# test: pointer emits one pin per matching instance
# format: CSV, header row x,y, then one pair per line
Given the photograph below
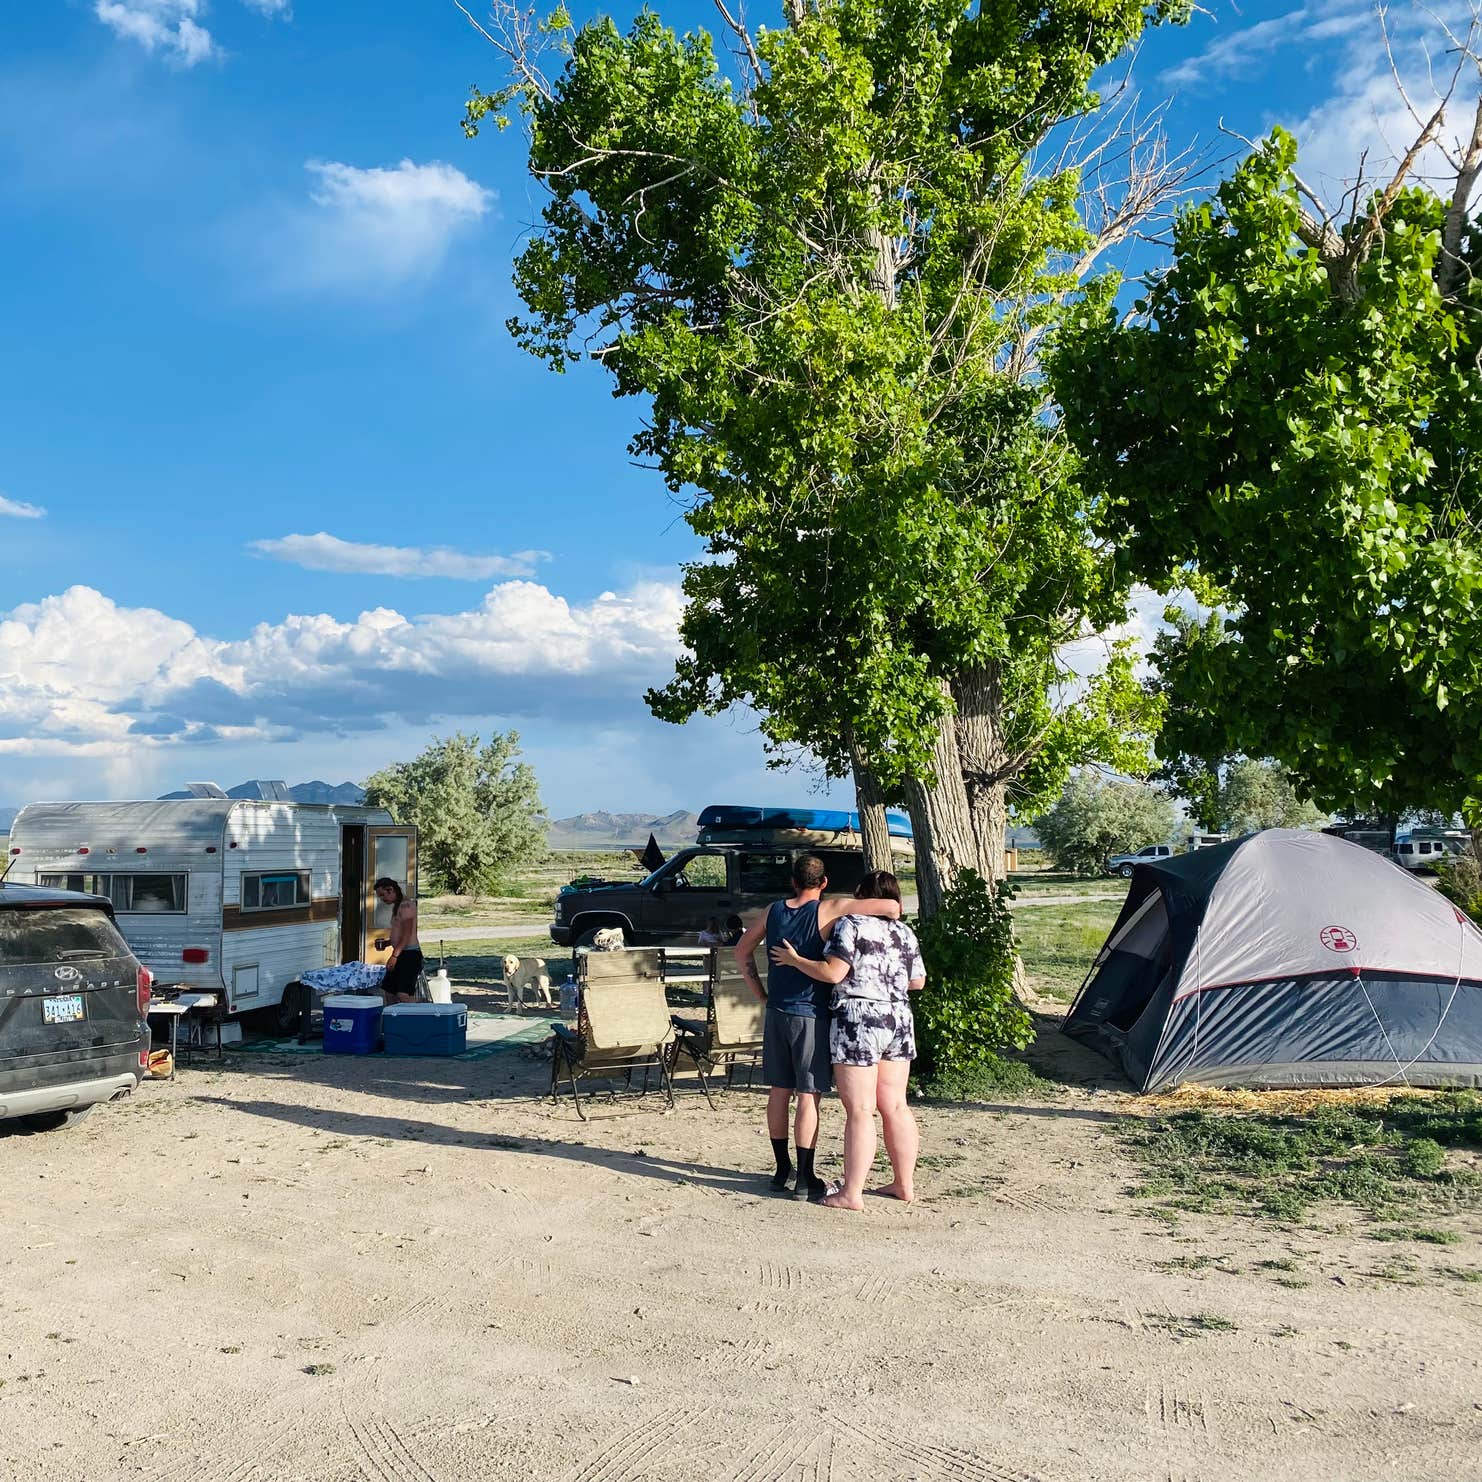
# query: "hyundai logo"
x,y
67,973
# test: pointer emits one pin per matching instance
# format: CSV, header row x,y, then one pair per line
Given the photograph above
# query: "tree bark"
x,y
979,721
872,826
941,819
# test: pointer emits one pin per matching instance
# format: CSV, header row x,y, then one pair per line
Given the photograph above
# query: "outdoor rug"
x,y
488,1034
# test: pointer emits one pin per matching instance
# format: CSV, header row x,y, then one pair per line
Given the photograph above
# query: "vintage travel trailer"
x,y
236,896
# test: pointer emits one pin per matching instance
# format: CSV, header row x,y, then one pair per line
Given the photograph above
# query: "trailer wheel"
x,y
290,1009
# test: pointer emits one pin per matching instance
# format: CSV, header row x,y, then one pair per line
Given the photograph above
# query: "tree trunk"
x,y
941,819
979,697
872,825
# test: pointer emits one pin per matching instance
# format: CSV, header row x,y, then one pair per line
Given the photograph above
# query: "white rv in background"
x,y
236,896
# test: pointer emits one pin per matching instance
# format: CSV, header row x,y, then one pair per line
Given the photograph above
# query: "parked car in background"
x,y
73,1007
1124,864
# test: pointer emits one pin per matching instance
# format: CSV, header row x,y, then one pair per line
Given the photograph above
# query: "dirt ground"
x,y
419,1271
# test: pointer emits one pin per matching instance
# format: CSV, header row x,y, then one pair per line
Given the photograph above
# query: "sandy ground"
x,y
487,1287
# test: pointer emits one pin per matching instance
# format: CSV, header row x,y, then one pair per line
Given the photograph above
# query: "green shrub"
x,y
967,1012
1461,884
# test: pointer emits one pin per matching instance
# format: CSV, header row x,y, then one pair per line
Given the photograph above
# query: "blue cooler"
x,y
352,1023
425,1028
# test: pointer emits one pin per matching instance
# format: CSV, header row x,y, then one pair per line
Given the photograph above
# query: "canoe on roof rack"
x,y
728,823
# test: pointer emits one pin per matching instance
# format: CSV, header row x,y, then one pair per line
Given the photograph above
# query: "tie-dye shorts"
x,y
865,1031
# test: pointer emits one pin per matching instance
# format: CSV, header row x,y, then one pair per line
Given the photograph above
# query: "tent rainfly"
x,y
1285,958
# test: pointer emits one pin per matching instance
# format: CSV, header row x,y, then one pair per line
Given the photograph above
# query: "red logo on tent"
x,y
1338,939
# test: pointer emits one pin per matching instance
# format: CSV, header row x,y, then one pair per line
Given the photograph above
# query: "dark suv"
x,y
73,1007
698,886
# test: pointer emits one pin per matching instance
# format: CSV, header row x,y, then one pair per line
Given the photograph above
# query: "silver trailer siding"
x,y
175,871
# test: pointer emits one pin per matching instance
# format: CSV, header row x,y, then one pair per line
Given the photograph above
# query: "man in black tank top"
x,y
795,1052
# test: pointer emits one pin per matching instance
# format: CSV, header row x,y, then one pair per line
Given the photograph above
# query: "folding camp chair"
x,y
730,1031
622,1024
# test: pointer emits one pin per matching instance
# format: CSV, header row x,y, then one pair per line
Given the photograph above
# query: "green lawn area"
x,y
1058,944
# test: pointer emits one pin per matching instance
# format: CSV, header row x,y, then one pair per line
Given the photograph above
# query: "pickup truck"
x,y
686,893
1124,864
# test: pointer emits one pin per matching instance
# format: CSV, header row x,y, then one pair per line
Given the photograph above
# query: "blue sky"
x,y
263,424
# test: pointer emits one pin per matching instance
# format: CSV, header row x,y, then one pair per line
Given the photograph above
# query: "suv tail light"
x,y
144,981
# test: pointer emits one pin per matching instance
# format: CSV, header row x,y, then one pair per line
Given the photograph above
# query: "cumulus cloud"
x,y
81,675
168,27
1353,118
324,552
366,231
19,509
270,7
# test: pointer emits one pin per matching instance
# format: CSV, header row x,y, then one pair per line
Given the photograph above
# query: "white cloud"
x,y
270,7
372,230
19,509
165,26
82,675
324,552
1352,117
1240,53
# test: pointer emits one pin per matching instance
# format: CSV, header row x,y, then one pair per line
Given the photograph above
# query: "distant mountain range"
x,y
603,830
300,792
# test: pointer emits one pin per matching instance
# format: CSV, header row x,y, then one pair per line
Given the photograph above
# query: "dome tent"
x,y
1285,958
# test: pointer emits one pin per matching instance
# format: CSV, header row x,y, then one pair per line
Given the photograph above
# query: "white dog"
x,y
521,973
609,939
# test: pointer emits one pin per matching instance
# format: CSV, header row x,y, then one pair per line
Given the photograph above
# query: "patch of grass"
x,y
1004,1076
1282,1263
1387,1160
1059,943
318,1370
1192,1326
1294,1282
1459,1273
1186,1263
1410,1232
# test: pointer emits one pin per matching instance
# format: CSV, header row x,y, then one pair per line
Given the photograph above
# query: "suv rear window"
x,y
66,934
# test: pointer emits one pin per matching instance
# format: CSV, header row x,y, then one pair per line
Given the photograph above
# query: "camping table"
x,y
178,1008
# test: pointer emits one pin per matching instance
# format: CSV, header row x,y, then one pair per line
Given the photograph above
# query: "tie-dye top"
x,y
883,957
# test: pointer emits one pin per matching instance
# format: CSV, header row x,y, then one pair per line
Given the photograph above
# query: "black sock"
x,y
784,1163
807,1179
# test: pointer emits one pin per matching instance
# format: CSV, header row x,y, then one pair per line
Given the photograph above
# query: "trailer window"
x,y
132,894
274,890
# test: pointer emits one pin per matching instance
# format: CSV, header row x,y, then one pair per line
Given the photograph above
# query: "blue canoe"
x,y
734,818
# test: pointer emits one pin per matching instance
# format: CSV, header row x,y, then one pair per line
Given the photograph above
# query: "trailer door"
x,y
388,852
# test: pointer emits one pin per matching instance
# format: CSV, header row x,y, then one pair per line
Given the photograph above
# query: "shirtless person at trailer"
x,y
404,966
795,1049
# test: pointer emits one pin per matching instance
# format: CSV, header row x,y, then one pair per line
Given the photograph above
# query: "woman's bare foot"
x,y
893,1190
838,1199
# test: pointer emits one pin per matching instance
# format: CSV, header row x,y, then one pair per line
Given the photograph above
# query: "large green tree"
x,y
1096,816
1293,418
476,807
828,279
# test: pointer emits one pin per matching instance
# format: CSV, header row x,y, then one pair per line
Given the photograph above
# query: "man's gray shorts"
x,y
795,1053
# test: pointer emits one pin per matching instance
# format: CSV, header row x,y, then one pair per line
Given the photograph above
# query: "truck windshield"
x,y
64,935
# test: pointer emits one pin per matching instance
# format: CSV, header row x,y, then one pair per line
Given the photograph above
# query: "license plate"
x,y
66,1008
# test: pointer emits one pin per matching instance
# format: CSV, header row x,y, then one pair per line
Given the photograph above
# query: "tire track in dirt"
x,y
773,1276
253,1456
942,1463
781,1454
621,1457
381,1453
1174,1410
